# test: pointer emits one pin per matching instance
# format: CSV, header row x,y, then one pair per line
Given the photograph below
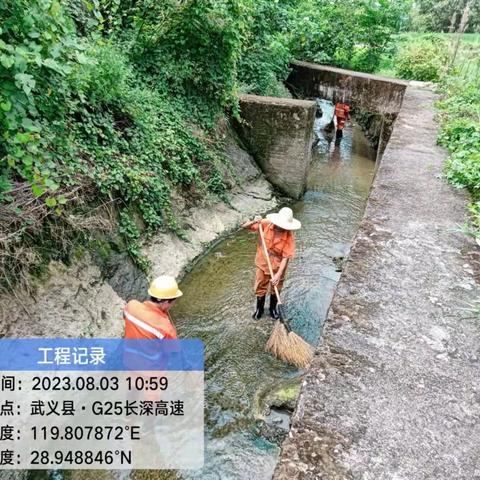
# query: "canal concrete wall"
x,y
279,132
392,392
371,96
372,93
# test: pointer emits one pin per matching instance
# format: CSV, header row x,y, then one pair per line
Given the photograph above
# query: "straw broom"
x,y
283,343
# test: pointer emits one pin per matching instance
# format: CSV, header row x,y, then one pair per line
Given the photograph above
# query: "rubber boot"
x,y
260,308
273,307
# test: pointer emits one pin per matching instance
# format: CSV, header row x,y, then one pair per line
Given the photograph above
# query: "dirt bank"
x,y
78,301
393,390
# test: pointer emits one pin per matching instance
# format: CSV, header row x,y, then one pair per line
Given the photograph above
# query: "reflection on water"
x,y
218,303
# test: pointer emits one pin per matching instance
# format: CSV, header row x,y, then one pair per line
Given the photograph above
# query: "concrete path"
x,y
394,391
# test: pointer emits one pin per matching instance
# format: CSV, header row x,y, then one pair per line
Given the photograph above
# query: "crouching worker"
x,y
280,242
150,319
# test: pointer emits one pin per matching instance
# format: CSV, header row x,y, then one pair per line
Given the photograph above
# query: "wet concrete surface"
x,y
393,391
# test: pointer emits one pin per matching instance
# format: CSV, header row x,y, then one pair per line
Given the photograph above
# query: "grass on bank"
x,y
435,57
428,56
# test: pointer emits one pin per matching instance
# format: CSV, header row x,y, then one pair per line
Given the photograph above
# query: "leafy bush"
x,y
266,55
425,60
113,104
460,134
74,113
38,51
350,34
463,170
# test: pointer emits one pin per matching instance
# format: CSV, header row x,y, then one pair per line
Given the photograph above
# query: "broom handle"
x,y
267,258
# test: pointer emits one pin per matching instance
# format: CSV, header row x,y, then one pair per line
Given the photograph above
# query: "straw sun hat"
x,y
284,219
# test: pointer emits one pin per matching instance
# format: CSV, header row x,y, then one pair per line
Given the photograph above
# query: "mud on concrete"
x,y
393,390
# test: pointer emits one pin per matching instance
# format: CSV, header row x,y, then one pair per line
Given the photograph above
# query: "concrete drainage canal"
x,y
250,395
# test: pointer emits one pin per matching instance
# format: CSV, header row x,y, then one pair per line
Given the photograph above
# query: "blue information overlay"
x,y
100,354
101,404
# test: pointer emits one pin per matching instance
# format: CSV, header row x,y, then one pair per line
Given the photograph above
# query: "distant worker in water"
x,y
342,112
150,319
280,242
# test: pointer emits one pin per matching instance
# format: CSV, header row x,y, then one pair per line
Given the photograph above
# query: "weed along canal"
x,y
241,378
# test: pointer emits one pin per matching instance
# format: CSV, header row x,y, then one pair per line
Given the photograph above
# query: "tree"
x,y
446,15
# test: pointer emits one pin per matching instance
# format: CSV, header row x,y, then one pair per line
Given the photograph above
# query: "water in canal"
x,y
218,303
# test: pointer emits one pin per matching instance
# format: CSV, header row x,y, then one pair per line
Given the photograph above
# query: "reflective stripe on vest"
x,y
142,324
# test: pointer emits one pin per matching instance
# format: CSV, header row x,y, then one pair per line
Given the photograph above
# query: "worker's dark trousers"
x,y
262,283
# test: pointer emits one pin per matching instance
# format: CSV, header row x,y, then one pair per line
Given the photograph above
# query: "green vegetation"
x,y
460,134
443,15
82,129
426,59
453,62
109,107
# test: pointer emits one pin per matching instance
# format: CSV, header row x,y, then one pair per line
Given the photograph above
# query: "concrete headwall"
x,y
278,132
369,92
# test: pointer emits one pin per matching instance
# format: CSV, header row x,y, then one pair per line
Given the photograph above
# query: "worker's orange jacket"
x,y
280,245
342,110
147,321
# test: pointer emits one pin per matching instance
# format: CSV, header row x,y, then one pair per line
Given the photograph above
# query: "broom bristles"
x,y
278,341
289,347
300,352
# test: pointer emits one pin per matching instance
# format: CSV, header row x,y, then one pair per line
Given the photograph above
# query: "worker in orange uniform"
x,y
342,112
150,319
280,241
